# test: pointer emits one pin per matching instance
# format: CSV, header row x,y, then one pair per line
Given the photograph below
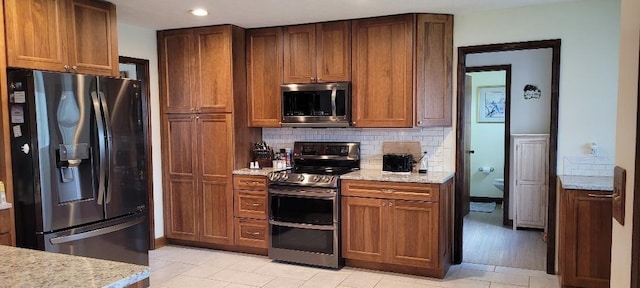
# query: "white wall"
x,y
626,137
140,43
528,116
589,31
487,140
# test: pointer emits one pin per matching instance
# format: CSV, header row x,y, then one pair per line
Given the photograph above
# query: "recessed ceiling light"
x,y
199,12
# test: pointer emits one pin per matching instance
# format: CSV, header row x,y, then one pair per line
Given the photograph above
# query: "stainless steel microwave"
x,y
316,105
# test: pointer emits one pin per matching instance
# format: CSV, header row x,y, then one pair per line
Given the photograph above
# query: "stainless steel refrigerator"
x,y
79,168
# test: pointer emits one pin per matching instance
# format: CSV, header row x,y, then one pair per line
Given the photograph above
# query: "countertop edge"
x,y
124,282
429,178
590,183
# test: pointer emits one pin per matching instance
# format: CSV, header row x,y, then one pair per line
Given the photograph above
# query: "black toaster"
x,y
397,162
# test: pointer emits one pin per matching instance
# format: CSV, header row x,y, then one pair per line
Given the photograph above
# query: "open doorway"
x,y
463,149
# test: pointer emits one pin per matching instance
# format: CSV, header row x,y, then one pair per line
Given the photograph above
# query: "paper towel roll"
x,y
486,169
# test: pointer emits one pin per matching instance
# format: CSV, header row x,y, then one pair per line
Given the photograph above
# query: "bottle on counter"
x,y
287,154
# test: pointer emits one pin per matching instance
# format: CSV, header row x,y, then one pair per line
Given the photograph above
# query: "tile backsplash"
x,y
588,165
438,142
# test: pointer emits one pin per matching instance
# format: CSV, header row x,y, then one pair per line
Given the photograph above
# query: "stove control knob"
x,y
284,177
300,178
315,178
325,179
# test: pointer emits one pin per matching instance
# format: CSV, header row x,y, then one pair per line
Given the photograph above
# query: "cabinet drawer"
x,y
5,239
249,182
251,233
391,190
5,221
251,204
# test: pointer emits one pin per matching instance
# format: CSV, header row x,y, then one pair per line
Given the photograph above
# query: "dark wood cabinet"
x,y
197,68
382,71
585,238
62,35
264,76
317,52
434,53
399,225
250,210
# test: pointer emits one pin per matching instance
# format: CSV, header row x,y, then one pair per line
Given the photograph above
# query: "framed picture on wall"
x,y
491,104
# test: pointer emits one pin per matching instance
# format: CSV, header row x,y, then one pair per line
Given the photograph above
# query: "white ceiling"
x,y
166,14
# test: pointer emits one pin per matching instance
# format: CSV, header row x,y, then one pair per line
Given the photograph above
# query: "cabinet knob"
x,y
384,203
74,67
390,204
192,109
197,117
66,67
420,122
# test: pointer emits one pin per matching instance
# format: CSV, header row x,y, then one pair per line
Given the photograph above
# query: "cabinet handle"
x,y
420,122
252,233
318,79
74,67
600,195
197,117
387,190
252,183
252,204
311,79
384,203
192,109
66,67
390,204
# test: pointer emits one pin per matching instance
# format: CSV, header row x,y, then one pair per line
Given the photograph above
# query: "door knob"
x,y
471,151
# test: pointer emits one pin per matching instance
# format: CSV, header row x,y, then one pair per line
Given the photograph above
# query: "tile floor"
x,y
177,266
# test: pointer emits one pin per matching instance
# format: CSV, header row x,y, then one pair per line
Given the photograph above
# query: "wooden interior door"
x,y
363,229
212,79
466,142
531,173
264,76
382,71
333,43
174,56
412,230
36,34
181,196
93,40
214,134
300,53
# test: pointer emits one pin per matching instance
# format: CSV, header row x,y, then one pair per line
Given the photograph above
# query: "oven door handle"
x,y
306,194
302,226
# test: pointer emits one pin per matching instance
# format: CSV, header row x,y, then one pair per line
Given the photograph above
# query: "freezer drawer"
x,y
124,239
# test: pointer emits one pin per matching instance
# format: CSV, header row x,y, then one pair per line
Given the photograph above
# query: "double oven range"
x,y
304,203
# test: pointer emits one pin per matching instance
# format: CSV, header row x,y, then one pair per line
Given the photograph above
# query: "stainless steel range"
x,y
304,203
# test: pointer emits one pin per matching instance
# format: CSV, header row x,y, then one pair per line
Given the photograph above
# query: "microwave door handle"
x,y
333,102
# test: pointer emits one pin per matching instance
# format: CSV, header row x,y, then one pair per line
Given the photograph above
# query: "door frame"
x,y
142,65
554,44
635,238
507,131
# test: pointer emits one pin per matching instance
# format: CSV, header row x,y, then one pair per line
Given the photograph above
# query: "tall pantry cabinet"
x,y
204,129
530,170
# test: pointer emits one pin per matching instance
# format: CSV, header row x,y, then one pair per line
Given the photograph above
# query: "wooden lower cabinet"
x,y
250,211
585,238
5,227
409,236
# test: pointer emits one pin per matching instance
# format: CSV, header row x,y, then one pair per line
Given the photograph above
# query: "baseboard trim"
x,y
486,199
160,242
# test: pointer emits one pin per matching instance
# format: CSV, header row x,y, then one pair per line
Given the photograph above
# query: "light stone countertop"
x,y
5,206
378,175
33,268
603,183
256,172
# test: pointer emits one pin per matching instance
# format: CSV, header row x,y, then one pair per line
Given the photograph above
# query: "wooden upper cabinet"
x,y
317,52
196,68
174,53
434,52
62,35
264,76
382,87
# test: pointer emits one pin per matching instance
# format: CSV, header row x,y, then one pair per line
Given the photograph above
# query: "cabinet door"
x,y
531,173
434,52
212,80
363,227
412,231
181,196
333,42
531,206
250,204
300,53
36,31
587,239
252,233
174,53
92,35
214,134
264,76
382,71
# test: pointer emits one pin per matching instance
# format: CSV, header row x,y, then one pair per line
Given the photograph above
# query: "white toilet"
x,y
499,183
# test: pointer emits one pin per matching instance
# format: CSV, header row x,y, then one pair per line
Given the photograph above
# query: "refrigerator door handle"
x,y
107,122
101,147
97,232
